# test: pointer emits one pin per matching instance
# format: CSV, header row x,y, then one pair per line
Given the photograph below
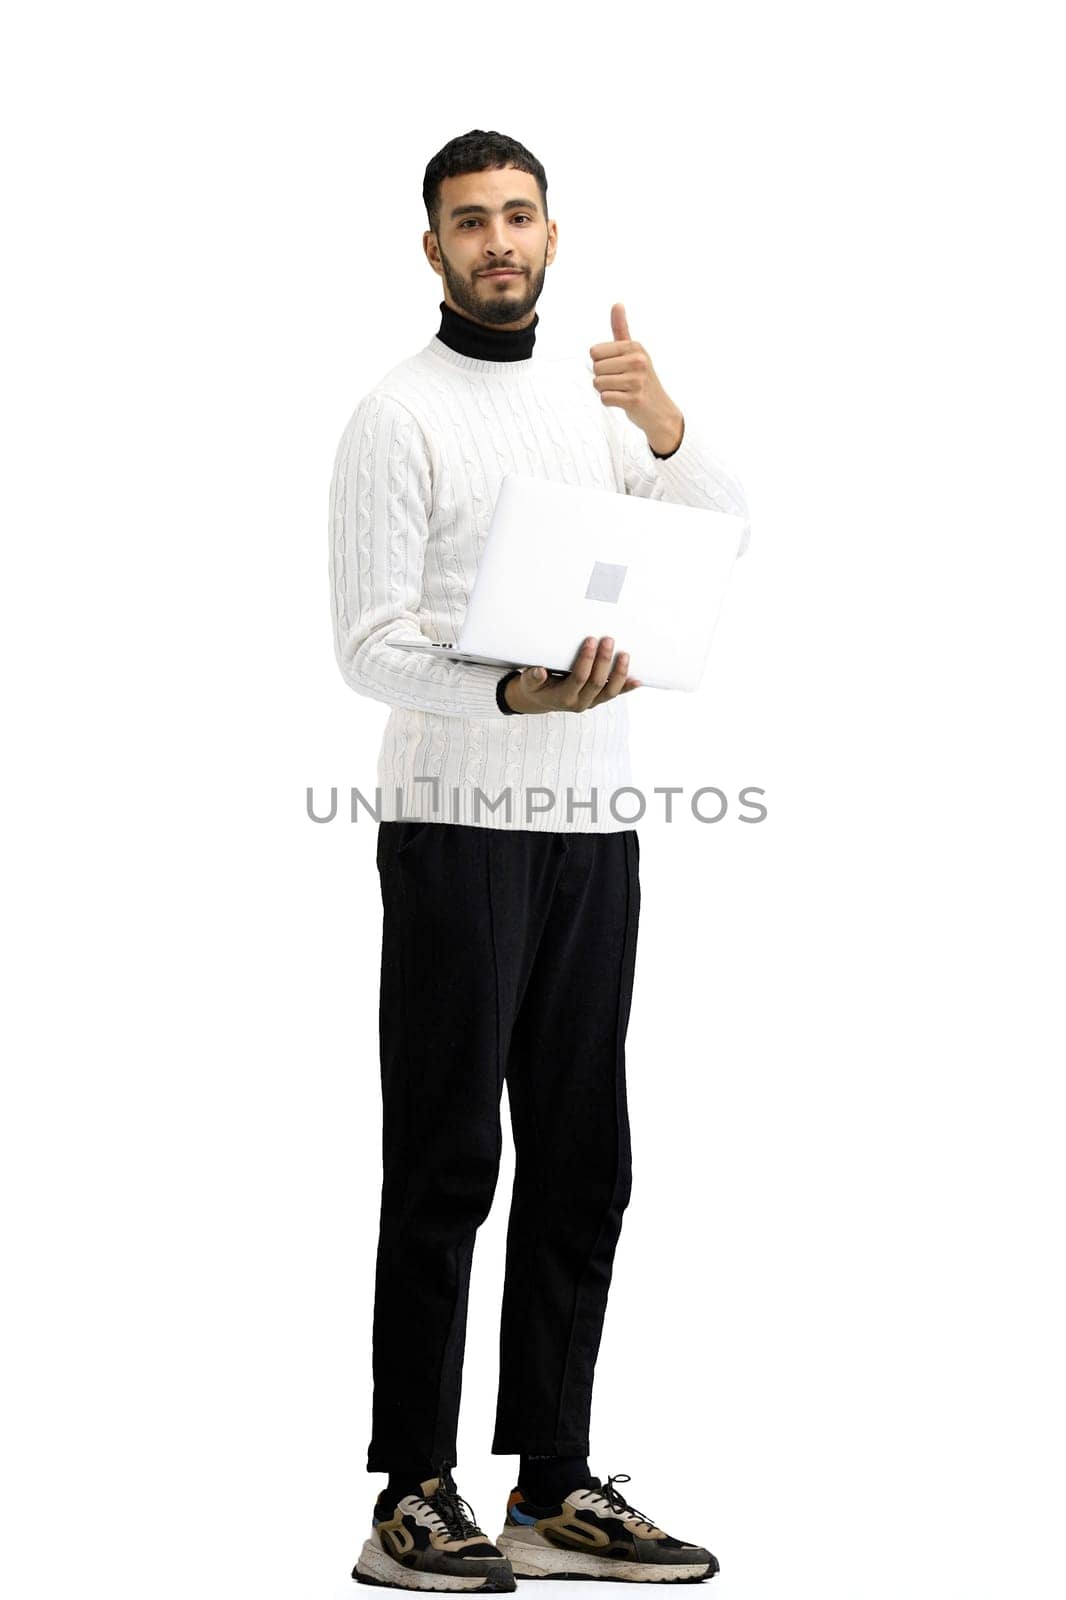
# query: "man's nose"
x,y
496,244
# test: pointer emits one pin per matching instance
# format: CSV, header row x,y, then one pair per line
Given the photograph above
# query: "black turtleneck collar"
x,y
469,338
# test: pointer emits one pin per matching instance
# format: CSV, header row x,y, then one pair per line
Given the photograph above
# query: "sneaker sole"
x,y
376,1566
536,1558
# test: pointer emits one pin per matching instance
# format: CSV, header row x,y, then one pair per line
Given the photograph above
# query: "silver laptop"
x,y
561,562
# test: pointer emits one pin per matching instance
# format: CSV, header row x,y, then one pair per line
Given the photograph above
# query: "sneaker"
x,y
595,1533
429,1540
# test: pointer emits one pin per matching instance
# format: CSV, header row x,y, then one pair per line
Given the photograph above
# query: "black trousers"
x,y
507,955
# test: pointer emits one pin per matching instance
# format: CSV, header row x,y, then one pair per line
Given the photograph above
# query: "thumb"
x,y
619,325
534,677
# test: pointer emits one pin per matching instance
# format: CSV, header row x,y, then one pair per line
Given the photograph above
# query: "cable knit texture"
x,y
414,483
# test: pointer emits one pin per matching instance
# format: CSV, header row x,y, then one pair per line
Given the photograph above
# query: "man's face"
x,y
490,221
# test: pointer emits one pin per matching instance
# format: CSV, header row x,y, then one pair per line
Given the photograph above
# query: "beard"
x,y
477,298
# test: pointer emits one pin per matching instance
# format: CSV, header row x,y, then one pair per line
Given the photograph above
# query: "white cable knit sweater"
x,y
414,483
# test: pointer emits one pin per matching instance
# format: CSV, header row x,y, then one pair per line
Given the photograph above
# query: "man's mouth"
x,y
504,272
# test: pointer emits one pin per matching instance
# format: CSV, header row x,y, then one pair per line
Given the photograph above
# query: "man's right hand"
x,y
590,681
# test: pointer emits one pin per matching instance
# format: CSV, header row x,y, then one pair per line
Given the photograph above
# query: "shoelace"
x,y
455,1512
618,1502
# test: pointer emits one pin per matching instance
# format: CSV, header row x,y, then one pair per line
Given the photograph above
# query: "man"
x,y
510,896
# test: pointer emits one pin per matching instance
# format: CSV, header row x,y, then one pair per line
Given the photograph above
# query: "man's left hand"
x,y
624,376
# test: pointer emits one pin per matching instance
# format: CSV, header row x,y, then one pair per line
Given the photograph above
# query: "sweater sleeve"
x,y
379,508
690,476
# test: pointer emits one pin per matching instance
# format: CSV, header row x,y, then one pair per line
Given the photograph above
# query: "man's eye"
x,y
520,216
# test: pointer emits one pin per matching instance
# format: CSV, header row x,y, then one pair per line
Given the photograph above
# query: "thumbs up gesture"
x,y
623,374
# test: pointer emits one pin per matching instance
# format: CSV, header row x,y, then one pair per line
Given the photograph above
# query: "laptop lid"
x,y
561,562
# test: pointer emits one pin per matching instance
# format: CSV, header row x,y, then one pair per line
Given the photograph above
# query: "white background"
x,y
833,1349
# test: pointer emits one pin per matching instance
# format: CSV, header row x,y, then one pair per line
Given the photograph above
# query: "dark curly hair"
x,y
477,151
